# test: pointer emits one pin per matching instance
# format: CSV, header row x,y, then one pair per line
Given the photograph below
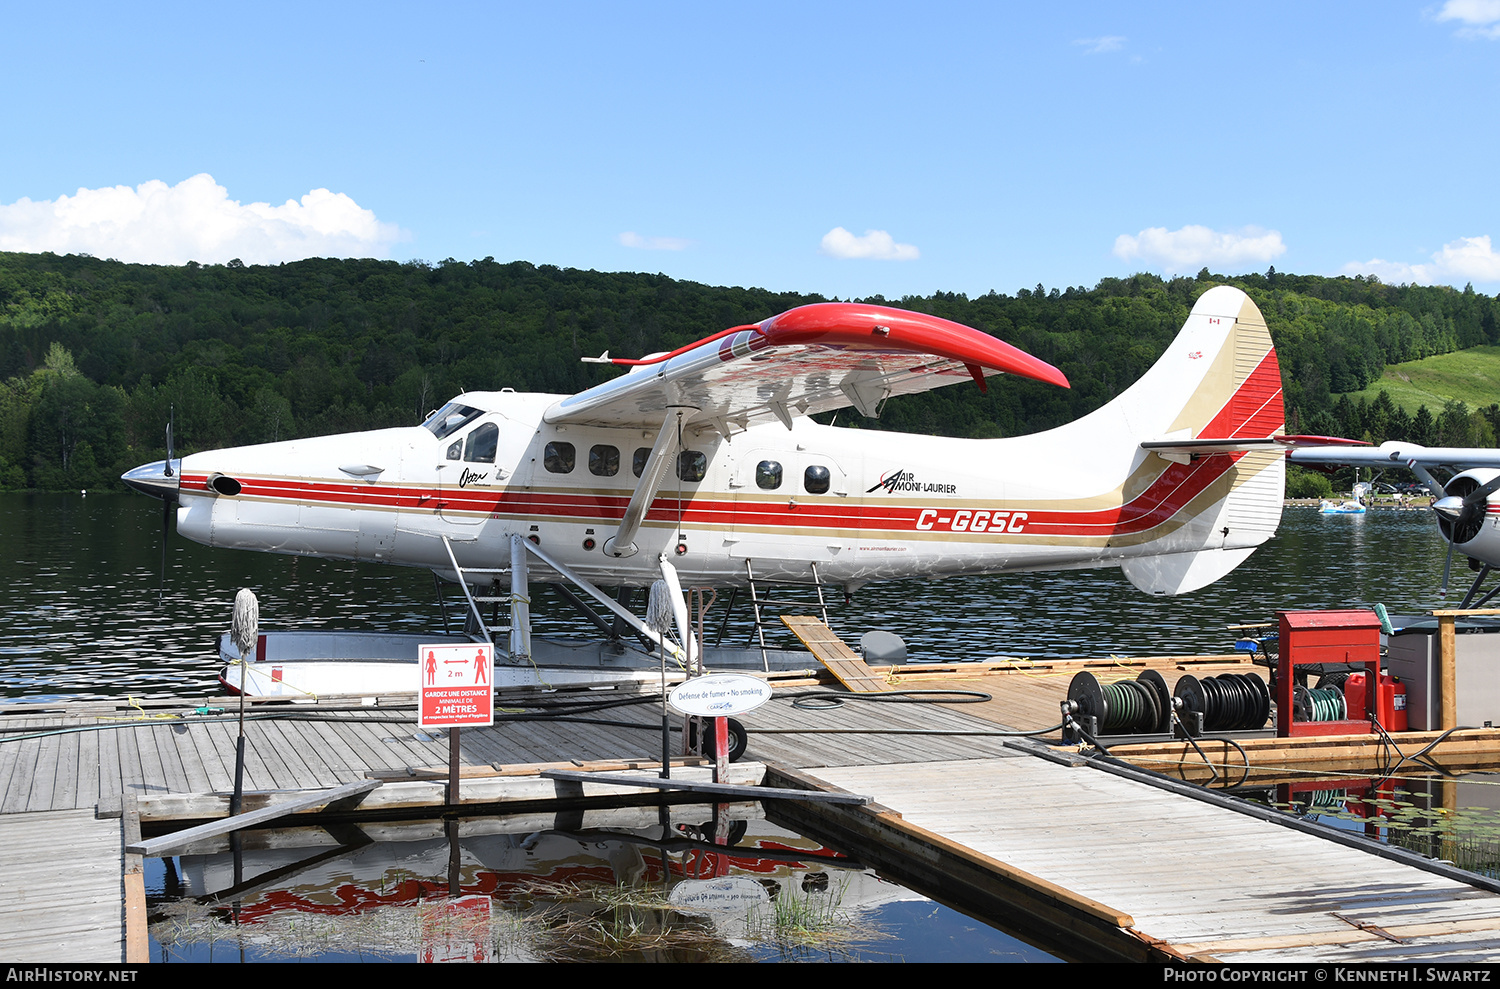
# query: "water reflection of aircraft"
x,y
1467,518
397,890
705,465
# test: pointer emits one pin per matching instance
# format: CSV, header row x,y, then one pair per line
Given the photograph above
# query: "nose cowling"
x,y
159,479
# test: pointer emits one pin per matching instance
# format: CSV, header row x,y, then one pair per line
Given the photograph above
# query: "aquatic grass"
x,y
810,919
615,896
618,922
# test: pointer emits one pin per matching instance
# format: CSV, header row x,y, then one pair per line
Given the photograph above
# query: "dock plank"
x,y
61,908
164,740
18,792
339,761
834,653
87,792
44,779
214,743
355,741
1126,864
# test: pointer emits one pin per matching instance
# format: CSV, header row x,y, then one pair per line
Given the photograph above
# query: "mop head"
x,y
245,628
659,608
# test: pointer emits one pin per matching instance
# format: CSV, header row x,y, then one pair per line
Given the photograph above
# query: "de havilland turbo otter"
x,y
1468,518
705,462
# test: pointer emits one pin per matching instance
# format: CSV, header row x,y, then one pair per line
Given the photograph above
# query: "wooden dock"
x,y
1141,874
1088,863
62,907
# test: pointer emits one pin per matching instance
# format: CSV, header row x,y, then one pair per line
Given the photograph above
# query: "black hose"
x,y
827,700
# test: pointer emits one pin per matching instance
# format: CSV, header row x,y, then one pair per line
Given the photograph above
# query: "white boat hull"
x,y
305,665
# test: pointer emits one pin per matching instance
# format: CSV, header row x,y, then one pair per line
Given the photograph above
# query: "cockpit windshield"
x,y
450,418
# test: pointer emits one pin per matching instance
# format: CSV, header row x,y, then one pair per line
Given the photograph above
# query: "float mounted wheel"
x,y
739,739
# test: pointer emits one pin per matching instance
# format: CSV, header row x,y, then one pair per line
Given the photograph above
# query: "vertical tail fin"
x,y
1218,380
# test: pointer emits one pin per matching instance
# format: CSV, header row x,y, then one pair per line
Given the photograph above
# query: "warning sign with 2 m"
x,y
457,686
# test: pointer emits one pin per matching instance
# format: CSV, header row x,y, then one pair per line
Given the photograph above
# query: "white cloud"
x,y
1193,247
194,220
1390,272
1098,46
1481,18
1467,259
632,239
875,244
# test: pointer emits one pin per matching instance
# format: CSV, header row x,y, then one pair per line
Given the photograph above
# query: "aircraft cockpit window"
x,y
692,466
559,458
604,461
768,475
456,451
482,444
451,418
638,462
816,479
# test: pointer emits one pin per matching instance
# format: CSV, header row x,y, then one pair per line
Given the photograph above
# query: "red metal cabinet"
x,y
1325,637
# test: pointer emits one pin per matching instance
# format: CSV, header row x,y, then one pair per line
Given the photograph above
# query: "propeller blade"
x,y
166,515
1481,495
1447,569
171,416
166,506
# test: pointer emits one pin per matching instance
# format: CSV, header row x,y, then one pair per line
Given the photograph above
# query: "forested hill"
x,y
93,352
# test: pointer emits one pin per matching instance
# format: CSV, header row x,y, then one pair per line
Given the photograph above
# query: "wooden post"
x,y
1447,679
1447,667
453,771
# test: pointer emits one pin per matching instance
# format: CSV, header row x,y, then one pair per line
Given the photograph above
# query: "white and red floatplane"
x,y
704,467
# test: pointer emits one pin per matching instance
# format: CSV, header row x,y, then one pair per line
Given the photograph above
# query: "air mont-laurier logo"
x,y
905,480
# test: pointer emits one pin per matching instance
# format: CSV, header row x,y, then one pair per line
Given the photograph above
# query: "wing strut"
x,y
622,543
569,574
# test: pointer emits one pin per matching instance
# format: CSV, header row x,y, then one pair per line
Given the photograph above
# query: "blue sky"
x,y
845,149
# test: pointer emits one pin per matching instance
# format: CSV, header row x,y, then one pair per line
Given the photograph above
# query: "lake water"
x,y
85,614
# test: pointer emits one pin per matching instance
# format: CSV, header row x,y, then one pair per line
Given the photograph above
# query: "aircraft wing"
x,y
811,359
1394,453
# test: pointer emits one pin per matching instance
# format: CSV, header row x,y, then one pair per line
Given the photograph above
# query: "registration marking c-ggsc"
x,y
967,521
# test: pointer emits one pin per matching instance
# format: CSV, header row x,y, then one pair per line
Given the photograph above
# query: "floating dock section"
x,y
1091,861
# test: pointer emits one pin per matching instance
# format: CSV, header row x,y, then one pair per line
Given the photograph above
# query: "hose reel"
x,y
1227,702
1144,706
1129,707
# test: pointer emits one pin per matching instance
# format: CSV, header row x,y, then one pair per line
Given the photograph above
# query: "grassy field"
x,y
1471,376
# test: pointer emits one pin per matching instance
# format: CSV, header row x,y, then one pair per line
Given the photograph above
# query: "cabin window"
x,y
815,479
692,466
604,460
450,419
638,462
456,451
768,475
482,443
559,458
